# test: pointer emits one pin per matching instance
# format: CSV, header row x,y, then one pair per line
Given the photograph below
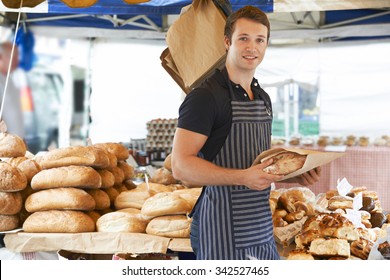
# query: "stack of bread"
x,y
332,235
152,208
70,190
16,171
163,175
290,208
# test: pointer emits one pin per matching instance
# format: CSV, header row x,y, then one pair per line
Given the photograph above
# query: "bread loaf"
x,y
163,176
166,203
11,178
102,200
29,167
127,169
174,226
67,176
132,199
118,149
10,203
8,222
60,199
330,247
285,163
108,179
11,145
59,221
74,155
120,222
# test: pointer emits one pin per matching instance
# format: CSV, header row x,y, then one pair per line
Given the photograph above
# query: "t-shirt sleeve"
x,y
197,112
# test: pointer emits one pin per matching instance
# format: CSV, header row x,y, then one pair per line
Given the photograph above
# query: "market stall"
x,y
143,242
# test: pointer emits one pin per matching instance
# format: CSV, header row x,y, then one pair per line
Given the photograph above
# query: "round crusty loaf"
x,y
11,178
8,222
60,199
102,200
285,163
11,145
74,155
166,203
59,221
175,226
29,167
120,222
67,176
118,149
10,203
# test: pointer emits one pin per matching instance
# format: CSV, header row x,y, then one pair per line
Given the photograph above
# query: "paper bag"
x,y
196,44
313,159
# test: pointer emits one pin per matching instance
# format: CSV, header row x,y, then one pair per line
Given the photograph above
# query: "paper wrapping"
x,y
196,43
94,242
313,159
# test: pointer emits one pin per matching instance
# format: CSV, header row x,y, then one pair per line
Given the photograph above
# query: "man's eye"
x,y
243,38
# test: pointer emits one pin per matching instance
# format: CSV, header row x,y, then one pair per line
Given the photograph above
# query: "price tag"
x,y
358,201
355,217
344,187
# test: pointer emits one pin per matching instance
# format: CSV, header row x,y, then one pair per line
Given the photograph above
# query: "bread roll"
x,y
108,179
118,149
15,4
340,202
120,222
330,247
136,212
127,169
285,163
8,222
156,187
166,203
29,167
174,226
95,215
119,176
163,176
10,203
67,176
59,221
168,162
112,194
191,195
102,200
60,199
132,199
11,145
11,178
74,155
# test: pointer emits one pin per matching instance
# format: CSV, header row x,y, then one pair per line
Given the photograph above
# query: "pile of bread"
x,y
325,231
86,189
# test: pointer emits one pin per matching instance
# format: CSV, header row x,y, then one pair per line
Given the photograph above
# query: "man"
x,y
223,125
12,111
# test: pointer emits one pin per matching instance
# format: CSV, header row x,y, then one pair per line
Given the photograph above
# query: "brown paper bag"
x,y
196,42
313,159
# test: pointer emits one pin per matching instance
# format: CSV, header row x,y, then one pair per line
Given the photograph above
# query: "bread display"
x,y
67,176
60,199
285,163
59,221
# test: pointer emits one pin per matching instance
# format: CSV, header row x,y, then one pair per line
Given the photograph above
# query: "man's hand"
x,y
255,178
306,179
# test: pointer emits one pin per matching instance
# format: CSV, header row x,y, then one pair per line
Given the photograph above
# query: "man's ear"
x,y
227,43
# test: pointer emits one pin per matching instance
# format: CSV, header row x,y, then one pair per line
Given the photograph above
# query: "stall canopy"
x,y
317,19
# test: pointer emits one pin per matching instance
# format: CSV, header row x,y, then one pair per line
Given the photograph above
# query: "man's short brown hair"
x,y
248,12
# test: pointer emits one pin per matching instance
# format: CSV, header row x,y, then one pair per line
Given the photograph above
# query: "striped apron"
x,y
235,222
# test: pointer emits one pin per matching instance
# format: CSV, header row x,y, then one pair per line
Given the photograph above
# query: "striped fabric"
x,y
235,222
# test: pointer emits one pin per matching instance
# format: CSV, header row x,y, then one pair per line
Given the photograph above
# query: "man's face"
x,y
248,44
